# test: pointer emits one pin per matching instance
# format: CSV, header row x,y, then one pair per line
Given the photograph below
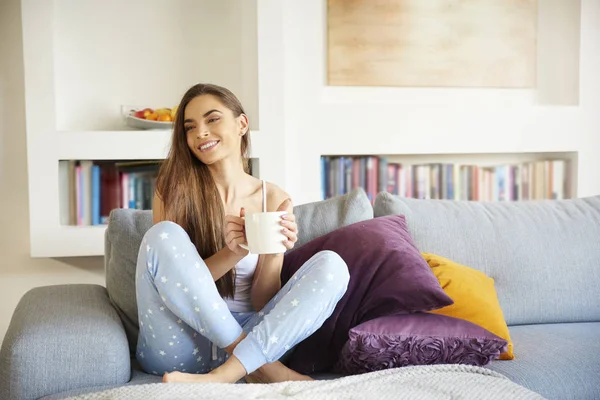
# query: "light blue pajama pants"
x,y
185,324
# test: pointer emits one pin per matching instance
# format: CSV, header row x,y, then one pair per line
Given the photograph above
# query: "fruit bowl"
x,y
140,123
148,118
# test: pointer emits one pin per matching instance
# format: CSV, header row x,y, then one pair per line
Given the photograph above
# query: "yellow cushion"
x,y
474,295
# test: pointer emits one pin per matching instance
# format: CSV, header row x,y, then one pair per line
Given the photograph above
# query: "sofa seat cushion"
x,y
138,377
558,361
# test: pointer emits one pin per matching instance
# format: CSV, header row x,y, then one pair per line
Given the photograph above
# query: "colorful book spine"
x,y
93,189
534,180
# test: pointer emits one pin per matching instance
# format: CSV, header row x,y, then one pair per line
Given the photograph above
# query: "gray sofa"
x,y
544,256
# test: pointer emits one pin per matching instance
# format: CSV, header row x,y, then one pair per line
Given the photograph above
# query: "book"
x,y
90,190
532,180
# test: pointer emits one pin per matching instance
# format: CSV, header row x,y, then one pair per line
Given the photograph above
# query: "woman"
x,y
209,311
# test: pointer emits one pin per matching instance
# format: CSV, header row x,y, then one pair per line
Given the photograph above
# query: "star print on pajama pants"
x,y
184,324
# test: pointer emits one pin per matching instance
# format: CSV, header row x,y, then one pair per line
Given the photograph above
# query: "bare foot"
x,y
268,373
171,377
275,372
255,377
229,372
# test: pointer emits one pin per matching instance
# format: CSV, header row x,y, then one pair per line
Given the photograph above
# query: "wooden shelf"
x,y
71,241
481,159
117,145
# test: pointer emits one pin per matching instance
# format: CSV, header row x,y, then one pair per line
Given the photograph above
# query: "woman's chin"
x,y
216,156
210,159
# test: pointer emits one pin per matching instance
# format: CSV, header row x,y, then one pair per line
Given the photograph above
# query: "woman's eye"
x,y
213,120
188,128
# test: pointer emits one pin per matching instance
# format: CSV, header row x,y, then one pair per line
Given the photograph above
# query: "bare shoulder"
x,y
158,208
276,196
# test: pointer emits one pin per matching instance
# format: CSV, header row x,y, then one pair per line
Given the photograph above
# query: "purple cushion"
x,y
417,339
388,276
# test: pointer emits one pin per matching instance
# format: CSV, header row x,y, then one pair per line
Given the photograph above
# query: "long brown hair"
x,y
187,189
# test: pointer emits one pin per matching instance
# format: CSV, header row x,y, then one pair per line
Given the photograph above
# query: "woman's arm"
x,y
158,209
219,263
267,280
267,277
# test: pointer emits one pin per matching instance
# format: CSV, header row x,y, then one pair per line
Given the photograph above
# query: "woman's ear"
x,y
244,124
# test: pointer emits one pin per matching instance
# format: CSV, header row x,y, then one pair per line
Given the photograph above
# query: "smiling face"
x,y
213,131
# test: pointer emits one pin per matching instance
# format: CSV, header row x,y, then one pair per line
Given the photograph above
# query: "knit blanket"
x,y
419,382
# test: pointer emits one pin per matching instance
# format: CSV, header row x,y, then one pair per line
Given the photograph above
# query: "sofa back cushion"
x,y
126,229
543,255
321,217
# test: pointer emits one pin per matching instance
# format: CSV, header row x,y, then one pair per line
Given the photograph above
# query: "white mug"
x,y
263,232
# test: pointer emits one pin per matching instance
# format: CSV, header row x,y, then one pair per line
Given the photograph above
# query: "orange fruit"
x,y
165,118
162,111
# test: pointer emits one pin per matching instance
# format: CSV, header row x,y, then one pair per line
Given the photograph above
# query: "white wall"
x,y
18,272
142,54
342,120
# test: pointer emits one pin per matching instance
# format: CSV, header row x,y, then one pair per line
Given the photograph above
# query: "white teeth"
x,y
207,145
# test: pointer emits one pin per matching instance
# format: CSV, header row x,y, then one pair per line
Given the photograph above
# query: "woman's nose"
x,y
202,131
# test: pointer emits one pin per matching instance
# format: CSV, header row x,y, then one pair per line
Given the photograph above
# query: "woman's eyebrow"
x,y
206,114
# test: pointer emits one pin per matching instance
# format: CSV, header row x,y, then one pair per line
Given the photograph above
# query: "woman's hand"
x,y
288,221
235,233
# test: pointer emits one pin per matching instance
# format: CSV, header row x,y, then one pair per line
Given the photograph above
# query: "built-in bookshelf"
x,y
77,87
91,189
532,177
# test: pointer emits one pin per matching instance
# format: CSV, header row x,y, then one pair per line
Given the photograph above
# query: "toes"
x,y
170,377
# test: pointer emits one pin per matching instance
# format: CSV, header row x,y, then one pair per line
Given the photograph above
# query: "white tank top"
x,y
244,274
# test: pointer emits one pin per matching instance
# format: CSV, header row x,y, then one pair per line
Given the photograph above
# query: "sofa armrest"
x,y
61,338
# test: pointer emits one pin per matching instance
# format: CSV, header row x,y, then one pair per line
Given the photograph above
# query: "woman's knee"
x,y
332,267
164,232
163,241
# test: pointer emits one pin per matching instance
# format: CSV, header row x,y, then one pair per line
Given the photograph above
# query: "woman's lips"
x,y
208,146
